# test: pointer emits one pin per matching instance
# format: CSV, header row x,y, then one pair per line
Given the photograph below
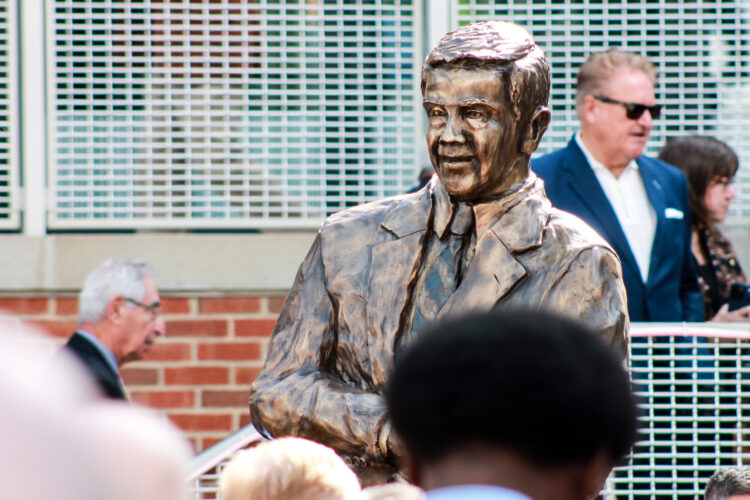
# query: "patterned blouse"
x,y
721,270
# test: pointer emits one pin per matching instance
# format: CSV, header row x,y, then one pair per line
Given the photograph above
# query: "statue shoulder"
x,y
357,227
574,233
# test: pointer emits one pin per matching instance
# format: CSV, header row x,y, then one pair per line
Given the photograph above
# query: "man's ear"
x,y
589,102
114,307
537,126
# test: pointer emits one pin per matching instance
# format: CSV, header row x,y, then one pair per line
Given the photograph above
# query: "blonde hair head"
x,y
290,469
600,66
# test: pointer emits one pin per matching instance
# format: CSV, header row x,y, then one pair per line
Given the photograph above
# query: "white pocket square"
x,y
673,213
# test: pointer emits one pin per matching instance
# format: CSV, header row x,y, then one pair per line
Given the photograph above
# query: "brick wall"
x,y
200,372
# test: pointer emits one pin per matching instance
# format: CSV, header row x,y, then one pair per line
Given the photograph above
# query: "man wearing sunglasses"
x,y
638,204
119,317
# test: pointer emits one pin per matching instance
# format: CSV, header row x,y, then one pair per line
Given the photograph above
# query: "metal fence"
x,y
227,114
701,49
693,387
205,469
274,113
9,114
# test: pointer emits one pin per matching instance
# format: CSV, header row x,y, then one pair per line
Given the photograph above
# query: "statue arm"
x,y
591,289
300,392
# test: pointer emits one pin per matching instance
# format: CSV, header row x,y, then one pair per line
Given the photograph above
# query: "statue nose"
x,y
453,130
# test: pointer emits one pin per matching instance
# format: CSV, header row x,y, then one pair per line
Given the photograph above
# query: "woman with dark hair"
x,y
710,166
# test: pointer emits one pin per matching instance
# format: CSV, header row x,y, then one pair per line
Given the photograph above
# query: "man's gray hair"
x,y
727,482
111,278
601,65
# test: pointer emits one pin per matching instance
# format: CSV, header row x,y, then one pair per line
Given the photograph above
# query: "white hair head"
x,y
111,278
288,468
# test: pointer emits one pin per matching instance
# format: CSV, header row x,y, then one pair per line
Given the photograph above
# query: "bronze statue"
x,y
481,234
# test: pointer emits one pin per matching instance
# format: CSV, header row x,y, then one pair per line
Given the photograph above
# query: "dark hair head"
x,y
503,46
727,482
702,160
529,382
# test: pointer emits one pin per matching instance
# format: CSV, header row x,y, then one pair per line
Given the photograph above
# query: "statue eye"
x,y
476,114
437,113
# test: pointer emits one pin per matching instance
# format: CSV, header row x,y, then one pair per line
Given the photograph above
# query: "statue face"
x,y
472,135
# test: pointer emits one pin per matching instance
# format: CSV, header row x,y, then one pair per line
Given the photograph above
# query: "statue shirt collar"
x,y
458,217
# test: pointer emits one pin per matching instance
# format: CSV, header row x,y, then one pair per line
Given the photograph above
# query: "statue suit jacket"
x,y
106,378
334,342
671,292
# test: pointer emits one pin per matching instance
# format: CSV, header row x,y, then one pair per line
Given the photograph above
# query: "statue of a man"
x,y
480,235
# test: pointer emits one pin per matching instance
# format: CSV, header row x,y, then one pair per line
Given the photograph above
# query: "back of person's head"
x,y
288,469
600,66
111,278
60,442
535,385
728,482
702,159
43,455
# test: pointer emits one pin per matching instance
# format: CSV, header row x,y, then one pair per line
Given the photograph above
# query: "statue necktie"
x,y
445,265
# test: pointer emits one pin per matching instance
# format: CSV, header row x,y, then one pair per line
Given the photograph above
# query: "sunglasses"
x,y
633,110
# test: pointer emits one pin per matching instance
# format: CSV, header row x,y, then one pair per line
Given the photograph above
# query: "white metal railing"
x,y
692,381
205,469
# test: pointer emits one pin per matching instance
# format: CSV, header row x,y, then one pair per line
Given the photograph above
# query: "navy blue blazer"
x,y
671,292
96,364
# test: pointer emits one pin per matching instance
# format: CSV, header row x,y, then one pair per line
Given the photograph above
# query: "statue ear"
x,y
537,126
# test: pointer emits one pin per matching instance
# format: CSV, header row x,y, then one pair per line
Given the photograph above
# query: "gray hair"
x,y
727,482
111,278
601,65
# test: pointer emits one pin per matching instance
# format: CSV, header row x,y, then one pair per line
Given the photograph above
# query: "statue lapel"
x,y
494,270
492,273
391,264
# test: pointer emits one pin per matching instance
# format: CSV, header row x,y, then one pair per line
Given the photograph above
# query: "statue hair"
x,y
505,47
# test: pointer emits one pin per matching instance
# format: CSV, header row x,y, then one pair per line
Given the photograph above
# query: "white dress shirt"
x,y
628,197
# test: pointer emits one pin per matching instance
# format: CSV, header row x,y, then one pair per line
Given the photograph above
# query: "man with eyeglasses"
x,y
638,204
119,317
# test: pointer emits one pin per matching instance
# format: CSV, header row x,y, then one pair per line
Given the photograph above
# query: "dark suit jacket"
x,y
96,364
334,342
671,292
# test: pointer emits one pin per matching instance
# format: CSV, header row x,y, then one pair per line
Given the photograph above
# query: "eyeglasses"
x,y
154,309
633,110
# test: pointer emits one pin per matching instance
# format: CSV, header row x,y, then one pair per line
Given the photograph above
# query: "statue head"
x,y
486,88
